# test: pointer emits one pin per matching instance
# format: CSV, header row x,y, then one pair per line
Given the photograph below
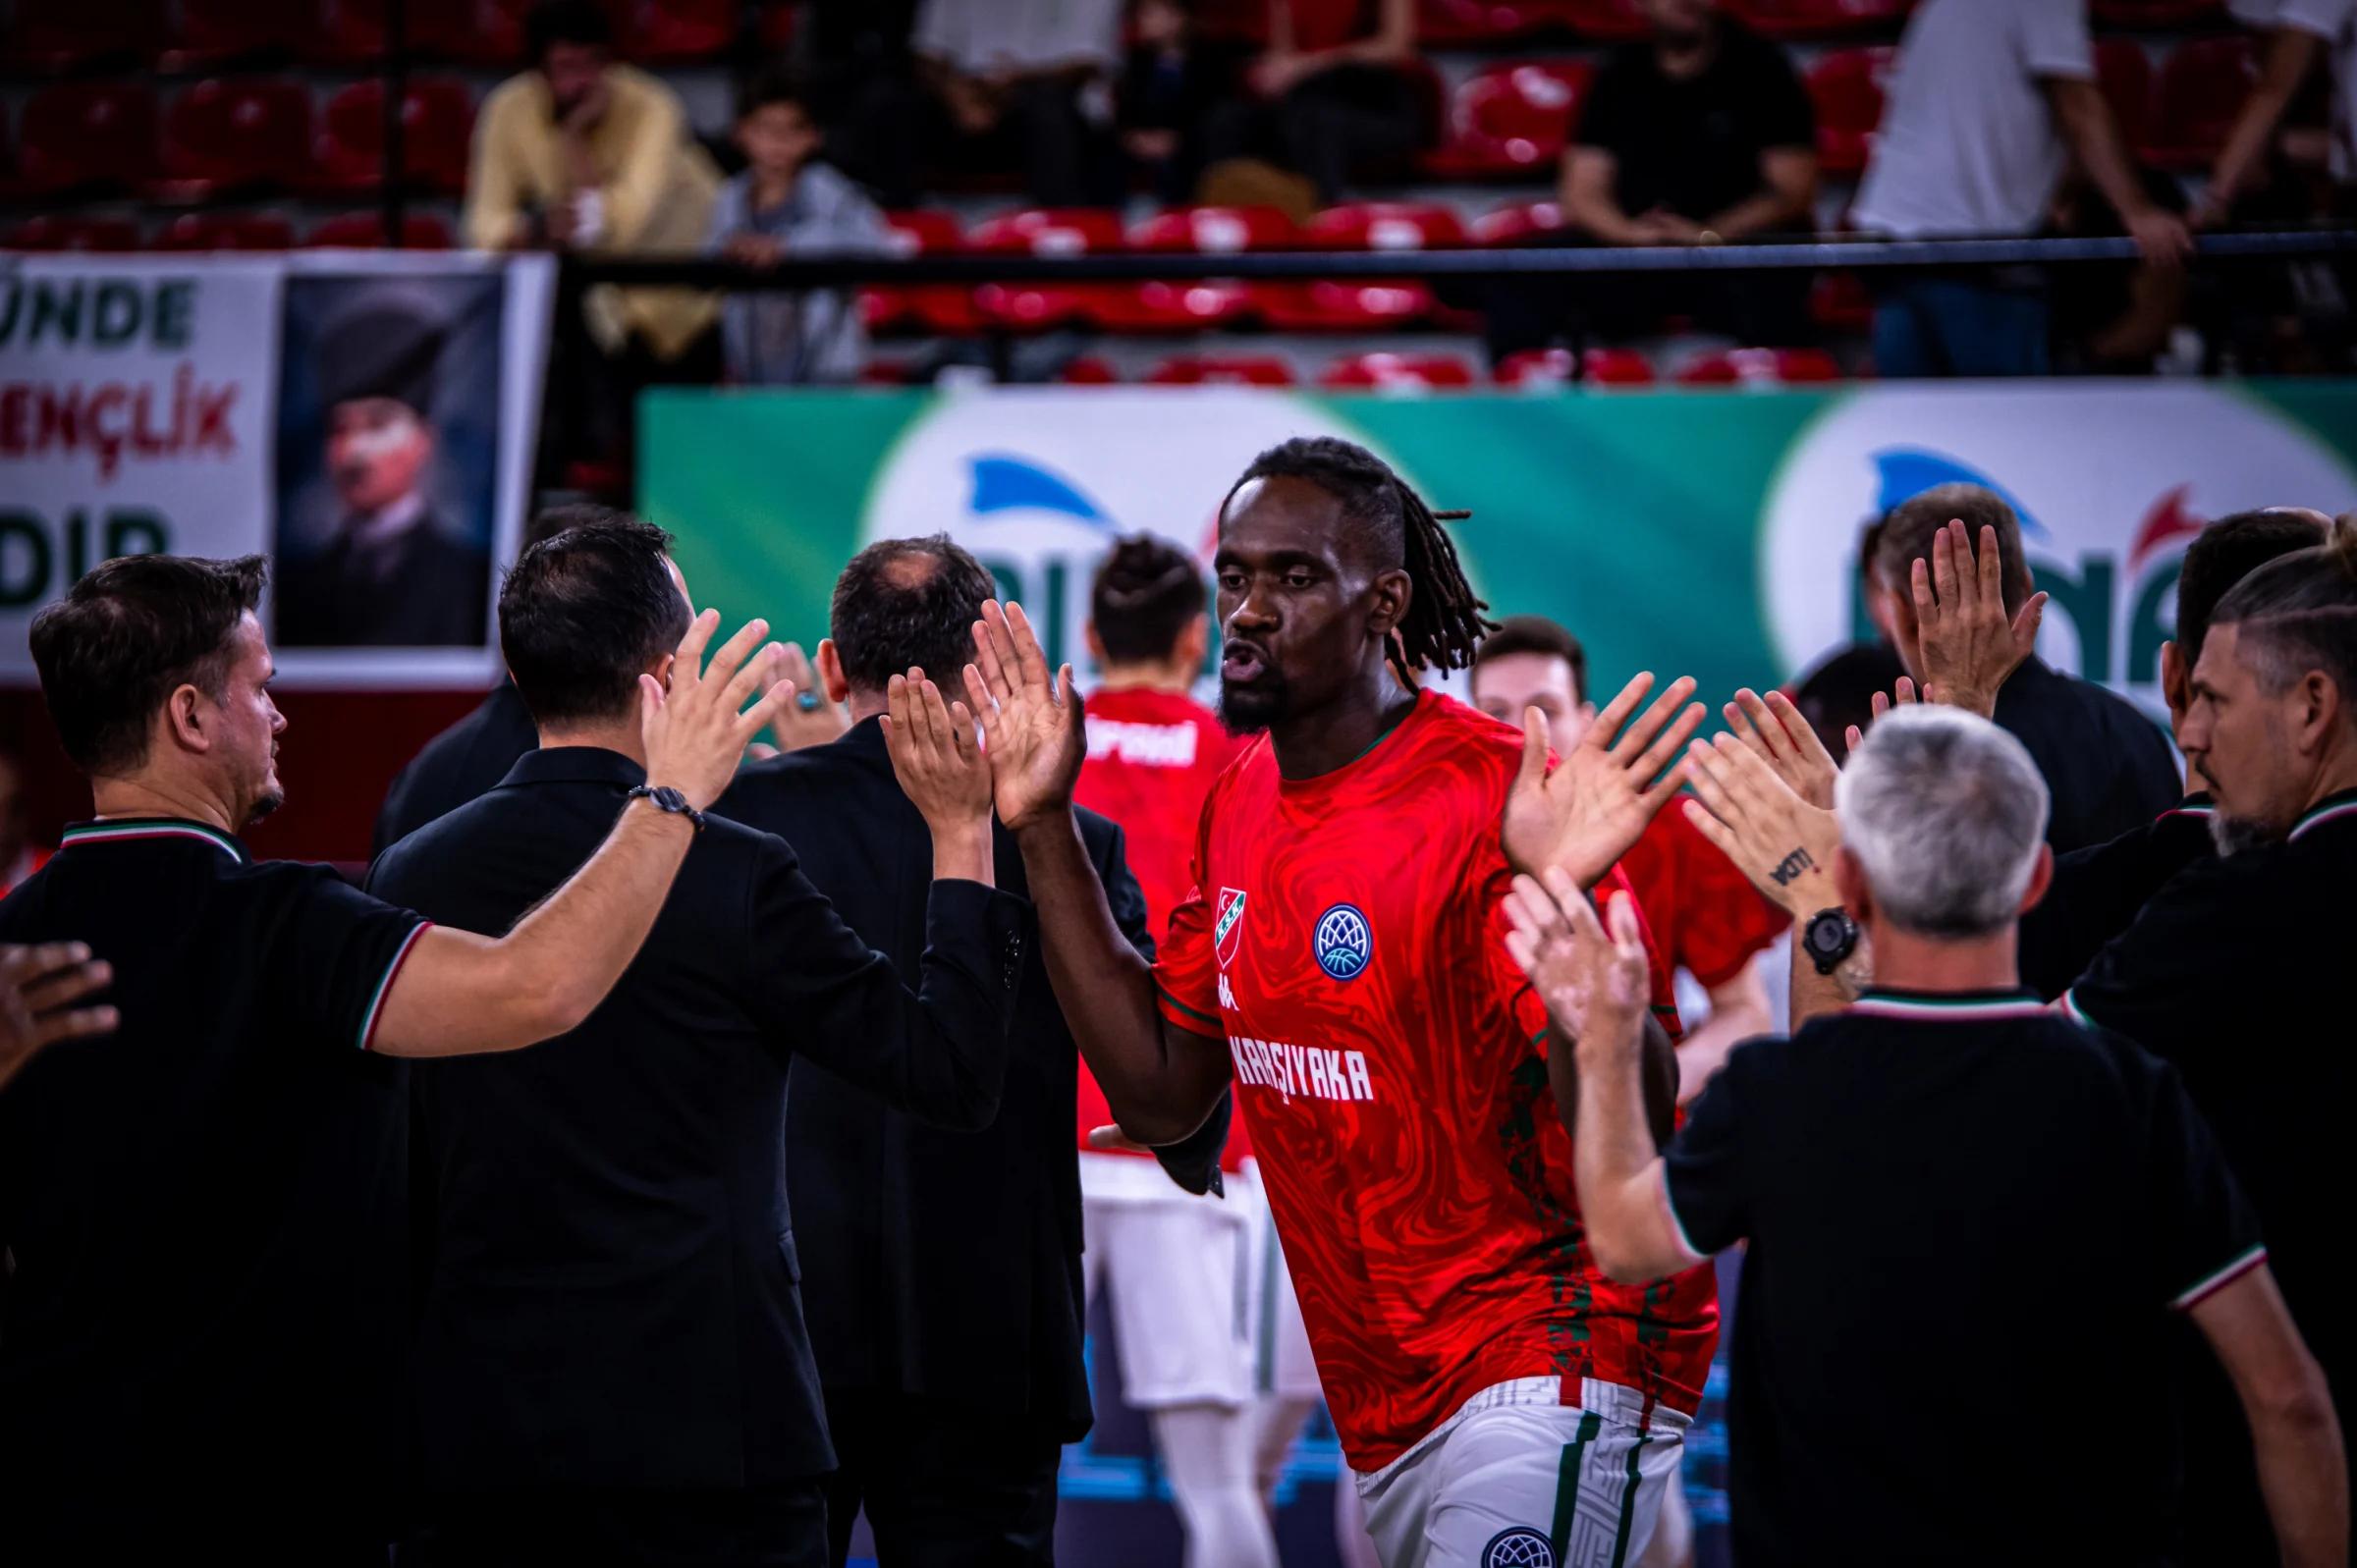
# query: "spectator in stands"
x,y
784,202
1329,97
2109,768
2294,34
579,153
1988,98
1701,135
1948,1129
1017,84
1171,86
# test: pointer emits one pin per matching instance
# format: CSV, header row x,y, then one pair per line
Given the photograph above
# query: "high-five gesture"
x,y
1776,733
697,732
1783,843
1902,695
40,988
934,754
1967,645
1593,983
1030,722
1585,814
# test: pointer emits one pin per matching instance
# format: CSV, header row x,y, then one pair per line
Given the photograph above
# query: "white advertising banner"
x,y
365,418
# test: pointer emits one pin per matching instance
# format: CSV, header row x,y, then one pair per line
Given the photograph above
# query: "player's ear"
x,y
2176,680
830,671
1096,644
1393,591
2041,878
183,718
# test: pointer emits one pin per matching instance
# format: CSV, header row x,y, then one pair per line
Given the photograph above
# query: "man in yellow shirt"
x,y
579,153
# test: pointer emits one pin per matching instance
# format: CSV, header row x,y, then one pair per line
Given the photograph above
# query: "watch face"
x,y
1827,935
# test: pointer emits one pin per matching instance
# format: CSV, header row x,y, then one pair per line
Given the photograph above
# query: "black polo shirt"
x,y
1968,1216
2098,893
1693,145
2109,768
2235,974
204,1206
462,763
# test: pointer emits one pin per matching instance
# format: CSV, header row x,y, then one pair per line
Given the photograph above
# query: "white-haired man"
x,y
1928,1264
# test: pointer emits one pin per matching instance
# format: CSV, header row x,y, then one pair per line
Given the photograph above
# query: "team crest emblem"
x,y
1518,1547
1343,942
1228,931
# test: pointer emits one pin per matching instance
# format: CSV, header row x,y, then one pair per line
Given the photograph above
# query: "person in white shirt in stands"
x,y
1024,85
1988,99
2293,34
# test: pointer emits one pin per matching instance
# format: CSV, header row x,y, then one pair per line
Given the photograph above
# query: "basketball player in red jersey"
x,y
1340,961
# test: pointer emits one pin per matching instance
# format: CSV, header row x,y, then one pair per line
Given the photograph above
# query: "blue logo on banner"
x,y
1343,942
1518,1547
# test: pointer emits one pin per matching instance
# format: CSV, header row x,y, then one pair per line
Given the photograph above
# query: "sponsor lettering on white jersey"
x,y
1141,744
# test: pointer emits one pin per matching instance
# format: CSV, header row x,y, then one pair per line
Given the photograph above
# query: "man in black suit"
x,y
945,1267
611,1362
2109,768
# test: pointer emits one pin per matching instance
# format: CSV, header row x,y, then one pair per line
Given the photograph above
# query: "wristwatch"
x,y
1828,939
666,799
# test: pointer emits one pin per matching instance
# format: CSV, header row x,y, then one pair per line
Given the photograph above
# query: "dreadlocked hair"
x,y
1443,625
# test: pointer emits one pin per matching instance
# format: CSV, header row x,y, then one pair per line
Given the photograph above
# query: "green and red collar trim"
x,y
1948,1006
2333,808
135,830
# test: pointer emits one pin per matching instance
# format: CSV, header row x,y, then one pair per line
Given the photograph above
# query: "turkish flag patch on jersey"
x,y
1228,931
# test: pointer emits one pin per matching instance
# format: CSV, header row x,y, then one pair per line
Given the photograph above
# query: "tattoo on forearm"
x,y
1792,865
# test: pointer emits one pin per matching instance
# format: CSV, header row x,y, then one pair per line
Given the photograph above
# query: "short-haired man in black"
x,y
944,1267
2098,889
2110,769
1956,1201
200,1331
2229,971
611,1359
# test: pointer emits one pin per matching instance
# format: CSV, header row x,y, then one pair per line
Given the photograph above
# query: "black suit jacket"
x,y
2108,769
454,766
942,1263
610,1283
437,594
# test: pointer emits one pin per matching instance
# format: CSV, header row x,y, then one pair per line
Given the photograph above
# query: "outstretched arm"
x,y
2295,1433
1160,1080
459,993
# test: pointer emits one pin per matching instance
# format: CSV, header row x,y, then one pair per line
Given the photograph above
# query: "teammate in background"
x,y
1342,961
1172,1259
1703,914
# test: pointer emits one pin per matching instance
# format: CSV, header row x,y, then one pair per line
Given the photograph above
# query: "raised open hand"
x,y
1902,695
1967,645
1782,843
1586,813
1776,732
1593,983
696,733
39,988
934,754
1032,725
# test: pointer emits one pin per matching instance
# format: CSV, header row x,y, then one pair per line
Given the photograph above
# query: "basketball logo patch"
x,y
1518,1547
1343,942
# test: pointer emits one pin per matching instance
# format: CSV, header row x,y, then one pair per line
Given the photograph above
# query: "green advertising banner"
x,y
1711,534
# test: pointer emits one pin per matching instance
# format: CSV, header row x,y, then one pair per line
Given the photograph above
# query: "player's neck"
x,y
624,737
1907,961
1337,735
1166,679
153,794
2338,776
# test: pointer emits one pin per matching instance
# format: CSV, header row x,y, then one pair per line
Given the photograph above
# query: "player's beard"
x,y
2232,836
1248,710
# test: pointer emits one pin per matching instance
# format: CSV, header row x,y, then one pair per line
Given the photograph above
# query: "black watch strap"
x,y
1829,938
666,799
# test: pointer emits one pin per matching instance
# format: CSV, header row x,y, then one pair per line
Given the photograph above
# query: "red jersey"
x,y
1345,937
1152,757
1705,915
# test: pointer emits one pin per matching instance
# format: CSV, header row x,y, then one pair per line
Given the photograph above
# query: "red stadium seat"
x,y
926,307
1399,372
1363,305
224,136
349,32
1512,118
1384,226
886,373
1200,303
437,117
69,34
365,230
1215,231
74,234
1816,19
1608,19
1049,232
1457,23
1524,220
225,231
1759,368
671,32
2127,76
2201,90
1212,370
1847,86
1534,368
478,32
88,133
1089,370
2156,12
219,32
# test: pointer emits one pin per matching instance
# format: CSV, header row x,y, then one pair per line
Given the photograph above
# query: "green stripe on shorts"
x,y
1566,1484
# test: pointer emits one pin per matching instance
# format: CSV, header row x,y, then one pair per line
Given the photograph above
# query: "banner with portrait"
x,y
365,418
